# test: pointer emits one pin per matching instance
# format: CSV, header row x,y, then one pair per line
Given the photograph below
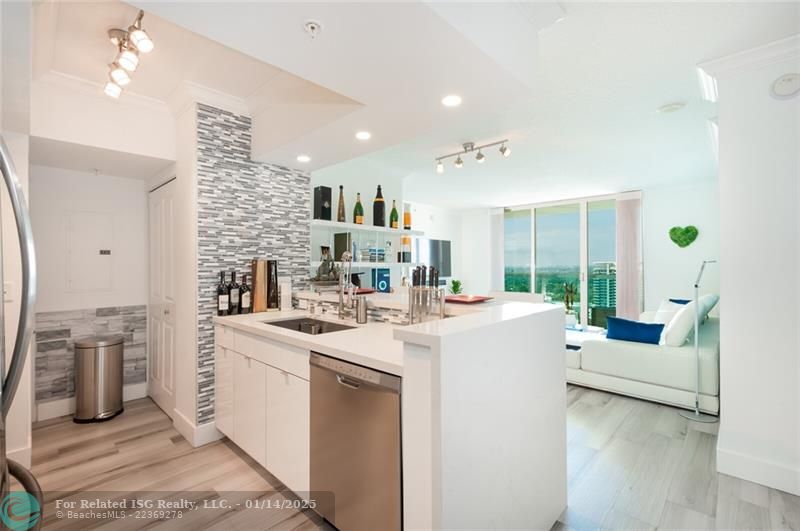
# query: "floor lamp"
x,y
696,415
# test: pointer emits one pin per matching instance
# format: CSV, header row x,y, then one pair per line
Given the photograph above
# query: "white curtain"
x,y
629,258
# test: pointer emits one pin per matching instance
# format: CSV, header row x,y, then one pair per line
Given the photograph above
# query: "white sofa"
x,y
659,373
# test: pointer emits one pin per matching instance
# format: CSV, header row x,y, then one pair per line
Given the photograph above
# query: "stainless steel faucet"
x,y
347,258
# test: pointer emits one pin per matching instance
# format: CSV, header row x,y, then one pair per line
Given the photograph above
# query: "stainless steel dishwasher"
x,y
355,445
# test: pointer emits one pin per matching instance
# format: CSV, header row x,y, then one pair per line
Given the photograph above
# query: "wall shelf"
x,y
383,265
352,227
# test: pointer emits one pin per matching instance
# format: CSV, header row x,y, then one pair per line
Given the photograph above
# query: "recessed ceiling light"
x,y
363,135
671,107
786,86
303,158
452,100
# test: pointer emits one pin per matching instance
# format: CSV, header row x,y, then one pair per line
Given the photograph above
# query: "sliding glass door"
x,y
567,252
558,255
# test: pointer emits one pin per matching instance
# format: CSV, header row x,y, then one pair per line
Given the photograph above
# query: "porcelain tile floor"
x,y
631,465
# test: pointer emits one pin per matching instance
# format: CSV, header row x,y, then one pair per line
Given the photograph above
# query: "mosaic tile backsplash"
x,y
246,209
56,333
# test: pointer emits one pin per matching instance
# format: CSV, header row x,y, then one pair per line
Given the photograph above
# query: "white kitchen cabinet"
x,y
249,399
223,390
287,421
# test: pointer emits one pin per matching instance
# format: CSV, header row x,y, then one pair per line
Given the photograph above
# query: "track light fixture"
x,y
469,147
130,43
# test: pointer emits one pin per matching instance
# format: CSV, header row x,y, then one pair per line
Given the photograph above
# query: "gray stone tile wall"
x,y
56,333
245,209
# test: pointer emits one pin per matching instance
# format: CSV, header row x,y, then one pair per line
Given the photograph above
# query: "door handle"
x,y
347,382
28,256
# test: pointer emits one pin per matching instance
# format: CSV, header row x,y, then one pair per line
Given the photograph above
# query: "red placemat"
x,y
467,299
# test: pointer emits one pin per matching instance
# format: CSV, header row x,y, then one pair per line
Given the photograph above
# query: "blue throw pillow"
x,y
681,301
627,330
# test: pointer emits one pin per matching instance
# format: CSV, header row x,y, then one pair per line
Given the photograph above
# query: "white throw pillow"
x,y
677,331
667,310
707,303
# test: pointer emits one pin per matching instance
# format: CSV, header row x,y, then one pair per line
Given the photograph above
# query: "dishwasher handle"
x,y
355,376
347,382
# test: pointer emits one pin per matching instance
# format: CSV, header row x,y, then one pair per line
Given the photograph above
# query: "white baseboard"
x,y
66,406
21,456
196,435
763,472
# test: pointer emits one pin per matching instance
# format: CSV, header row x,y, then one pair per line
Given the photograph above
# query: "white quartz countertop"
x,y
379,345
430,332
371,345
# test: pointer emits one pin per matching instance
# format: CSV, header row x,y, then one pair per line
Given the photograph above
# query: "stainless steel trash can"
x,y
98,378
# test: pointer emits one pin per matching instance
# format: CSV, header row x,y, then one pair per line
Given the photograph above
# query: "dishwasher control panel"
x,y
357,372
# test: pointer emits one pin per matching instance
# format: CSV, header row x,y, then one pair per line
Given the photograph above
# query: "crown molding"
x,y
78,84
786,49
188,93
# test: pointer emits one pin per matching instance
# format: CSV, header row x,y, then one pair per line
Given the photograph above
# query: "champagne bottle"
x,y
379,209
407,217
358,211
223,301
244,296
340,211
394,219
233,294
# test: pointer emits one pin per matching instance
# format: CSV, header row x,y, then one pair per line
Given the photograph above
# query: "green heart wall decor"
x,y
683,236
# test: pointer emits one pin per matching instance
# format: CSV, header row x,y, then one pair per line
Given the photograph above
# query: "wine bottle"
x,y
379,209
223,300
407,217
244,296
340,211
394,219
233,294
358,211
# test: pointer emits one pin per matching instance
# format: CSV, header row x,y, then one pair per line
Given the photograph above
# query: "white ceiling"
x,y
79,157
577,97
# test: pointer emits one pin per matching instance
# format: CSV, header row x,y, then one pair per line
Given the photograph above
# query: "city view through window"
x,y
557,271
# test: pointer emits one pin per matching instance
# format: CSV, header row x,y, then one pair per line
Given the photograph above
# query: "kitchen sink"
x,y
307,325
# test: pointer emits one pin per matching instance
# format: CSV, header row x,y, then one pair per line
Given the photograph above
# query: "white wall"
x,y
71,110
185,259
58,194
440,224
670,271
759,436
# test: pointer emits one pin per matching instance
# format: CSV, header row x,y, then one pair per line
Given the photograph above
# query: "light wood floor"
x,y
637,465
631,465
140,454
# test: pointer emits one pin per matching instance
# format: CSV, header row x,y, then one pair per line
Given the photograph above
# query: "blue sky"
x,y
558,237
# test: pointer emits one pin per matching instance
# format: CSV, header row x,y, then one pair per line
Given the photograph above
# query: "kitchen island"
x,y
483,410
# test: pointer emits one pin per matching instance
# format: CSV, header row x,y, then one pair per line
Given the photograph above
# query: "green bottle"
x,y
358,211
394,217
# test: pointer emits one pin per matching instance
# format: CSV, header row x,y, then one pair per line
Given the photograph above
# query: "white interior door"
x,y
161,325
